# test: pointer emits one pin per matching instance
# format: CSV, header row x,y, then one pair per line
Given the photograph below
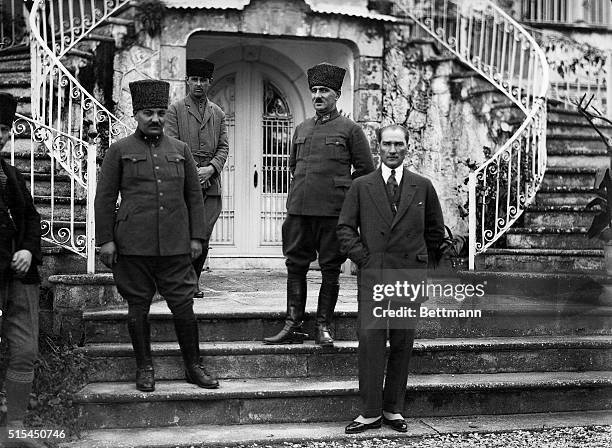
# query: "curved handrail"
x,y
494,45
65,116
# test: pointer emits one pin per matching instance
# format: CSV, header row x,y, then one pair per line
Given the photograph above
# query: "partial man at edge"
x,y
20,253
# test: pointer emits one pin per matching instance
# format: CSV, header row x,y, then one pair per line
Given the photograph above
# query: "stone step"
x,y
583,129
330,434
562,115
23,161
57,260
15,65
558,216
578,157
61,185
11,77
249,401
62,208
569,177
568,142
562,195
551,238
501,316
541,260
115,362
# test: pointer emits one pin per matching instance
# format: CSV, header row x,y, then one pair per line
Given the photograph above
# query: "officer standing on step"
x,y
200,123
323,149
19,284
156,233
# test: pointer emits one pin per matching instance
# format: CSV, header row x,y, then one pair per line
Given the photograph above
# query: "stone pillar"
x,y
368,95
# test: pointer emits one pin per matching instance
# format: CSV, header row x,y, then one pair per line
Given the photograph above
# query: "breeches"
x,y
306,236
20,327
138,277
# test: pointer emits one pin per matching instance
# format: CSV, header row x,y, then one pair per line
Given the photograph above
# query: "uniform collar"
x,y
324,118
146,138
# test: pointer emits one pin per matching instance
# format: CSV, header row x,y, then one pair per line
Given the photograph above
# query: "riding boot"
x,y
292,332
198,266
328,296
140,333
188,339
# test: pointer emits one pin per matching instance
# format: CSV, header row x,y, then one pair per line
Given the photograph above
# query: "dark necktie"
x,y
392,190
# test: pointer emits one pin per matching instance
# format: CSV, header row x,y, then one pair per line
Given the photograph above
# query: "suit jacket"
x,y
25,219
322,152
373,238
161,208
206,136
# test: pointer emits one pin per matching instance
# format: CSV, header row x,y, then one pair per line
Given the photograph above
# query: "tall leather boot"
x,y
188,339
140,333
328,296
292,332
198,266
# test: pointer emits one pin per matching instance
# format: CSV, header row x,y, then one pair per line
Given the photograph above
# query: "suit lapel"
x,y
192,108
408,191
207,113
378,193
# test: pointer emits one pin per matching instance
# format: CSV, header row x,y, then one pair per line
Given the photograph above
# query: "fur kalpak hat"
x,y
8,107
200,67
327,75
149,94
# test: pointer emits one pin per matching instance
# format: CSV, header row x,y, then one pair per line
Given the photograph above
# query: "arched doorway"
x,y
262,108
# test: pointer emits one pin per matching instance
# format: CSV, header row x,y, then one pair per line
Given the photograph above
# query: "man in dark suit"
x,y
322,152
200,123
156,233
390,220
20,254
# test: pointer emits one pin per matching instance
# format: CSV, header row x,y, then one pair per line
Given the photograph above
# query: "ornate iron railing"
x,y
489,41
13,31
62,198
65,116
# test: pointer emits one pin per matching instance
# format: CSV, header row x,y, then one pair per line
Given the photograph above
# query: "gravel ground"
x,y
577,437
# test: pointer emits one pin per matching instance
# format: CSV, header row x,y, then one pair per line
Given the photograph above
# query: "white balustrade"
x,y
498,48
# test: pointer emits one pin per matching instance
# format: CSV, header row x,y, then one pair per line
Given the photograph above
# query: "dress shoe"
x,y
145,379
198,295
357,427
398,425
198,375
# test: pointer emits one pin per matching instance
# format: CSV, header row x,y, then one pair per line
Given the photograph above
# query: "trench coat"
x,y
161,208
206,136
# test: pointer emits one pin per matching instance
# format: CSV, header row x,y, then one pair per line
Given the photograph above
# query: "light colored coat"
x,y
205,135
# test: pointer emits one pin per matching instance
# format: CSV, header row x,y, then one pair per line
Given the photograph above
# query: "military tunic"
x,y
161,211
322,152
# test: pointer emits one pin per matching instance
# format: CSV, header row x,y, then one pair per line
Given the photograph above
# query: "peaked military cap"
x,y
326,74
200,67
149,94
8,107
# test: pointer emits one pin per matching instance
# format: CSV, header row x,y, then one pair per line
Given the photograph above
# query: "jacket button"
x,y
162,207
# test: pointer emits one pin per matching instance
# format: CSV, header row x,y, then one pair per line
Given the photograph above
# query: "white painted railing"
x,y
12,24
65,116
489,41
567,12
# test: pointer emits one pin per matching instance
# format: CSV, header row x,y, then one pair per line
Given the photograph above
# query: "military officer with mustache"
x,y
323,150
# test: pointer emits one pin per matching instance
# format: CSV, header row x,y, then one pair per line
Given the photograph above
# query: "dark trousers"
x,y
372,348
306,236
19,324
137,278
212,206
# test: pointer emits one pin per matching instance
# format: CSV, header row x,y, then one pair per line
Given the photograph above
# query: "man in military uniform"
x,y
200,123
19,285
157,231
323,149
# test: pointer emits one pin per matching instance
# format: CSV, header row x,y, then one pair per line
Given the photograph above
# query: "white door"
x,y
262,108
